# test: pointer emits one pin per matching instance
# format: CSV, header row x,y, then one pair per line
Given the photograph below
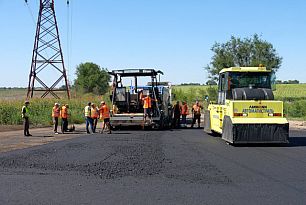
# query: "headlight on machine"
x,y
236,114
275,114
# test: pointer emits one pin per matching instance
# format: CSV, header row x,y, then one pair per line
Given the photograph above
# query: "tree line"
x,y
288,82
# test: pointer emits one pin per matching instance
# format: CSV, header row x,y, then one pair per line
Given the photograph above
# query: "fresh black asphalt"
x,y
155,167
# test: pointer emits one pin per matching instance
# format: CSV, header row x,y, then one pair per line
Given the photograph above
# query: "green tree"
x,y
243,52
211,82
92,79
212,93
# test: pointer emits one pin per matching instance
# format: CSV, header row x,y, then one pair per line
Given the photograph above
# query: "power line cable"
x,y
69,35
33,18
30,11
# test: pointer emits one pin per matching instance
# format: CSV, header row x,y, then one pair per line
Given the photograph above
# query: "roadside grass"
x,y
41,109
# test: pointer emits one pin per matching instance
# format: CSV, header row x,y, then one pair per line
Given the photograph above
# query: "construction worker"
x,y
147,105
55,115
196,111
177,109
184,114
88,118
94,116
140,99
25,113
64,115
105,116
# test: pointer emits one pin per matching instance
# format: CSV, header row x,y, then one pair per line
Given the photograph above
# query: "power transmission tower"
x,y
47,53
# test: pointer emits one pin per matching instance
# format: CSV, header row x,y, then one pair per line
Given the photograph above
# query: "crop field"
x,y
290,91
14,93
20,94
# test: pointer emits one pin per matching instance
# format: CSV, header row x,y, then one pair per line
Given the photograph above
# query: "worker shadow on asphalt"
x,y
42,136
120,133
75,132
185,128
98,132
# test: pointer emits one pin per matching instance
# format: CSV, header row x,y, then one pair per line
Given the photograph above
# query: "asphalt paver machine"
x,y
127,100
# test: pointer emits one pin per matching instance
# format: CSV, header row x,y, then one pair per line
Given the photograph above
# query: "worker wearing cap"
x,y
88,118
64,115
196,111
25,113
94,116
105,116
55,115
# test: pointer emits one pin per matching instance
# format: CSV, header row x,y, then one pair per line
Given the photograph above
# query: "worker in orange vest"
x,y
64,115
177,110
55,115
105,116
147,105
196,111
184,114
94,116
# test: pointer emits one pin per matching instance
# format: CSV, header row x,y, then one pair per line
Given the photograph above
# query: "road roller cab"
x,y
246,111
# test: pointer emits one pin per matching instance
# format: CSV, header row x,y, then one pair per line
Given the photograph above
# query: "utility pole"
x,y
47,53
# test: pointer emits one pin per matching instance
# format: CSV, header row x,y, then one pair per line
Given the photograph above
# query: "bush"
x,y
295,109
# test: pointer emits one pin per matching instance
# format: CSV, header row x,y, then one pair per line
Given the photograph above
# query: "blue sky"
x,y
173,35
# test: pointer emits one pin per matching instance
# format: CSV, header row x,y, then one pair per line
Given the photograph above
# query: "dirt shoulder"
x,y
5,128
14,139
297,124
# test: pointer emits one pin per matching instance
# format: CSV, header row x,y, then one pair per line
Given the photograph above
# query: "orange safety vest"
x,y
64,112
197,109
55,111
104,112
185,109
94,113
147,102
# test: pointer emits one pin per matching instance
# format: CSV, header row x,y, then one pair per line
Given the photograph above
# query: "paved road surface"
x,y
157,167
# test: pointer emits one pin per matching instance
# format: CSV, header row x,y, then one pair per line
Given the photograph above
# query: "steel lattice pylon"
x,y
47,52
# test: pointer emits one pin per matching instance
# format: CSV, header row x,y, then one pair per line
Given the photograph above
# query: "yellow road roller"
x,y
246,111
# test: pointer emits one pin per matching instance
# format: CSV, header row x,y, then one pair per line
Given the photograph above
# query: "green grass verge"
x,y
41,109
